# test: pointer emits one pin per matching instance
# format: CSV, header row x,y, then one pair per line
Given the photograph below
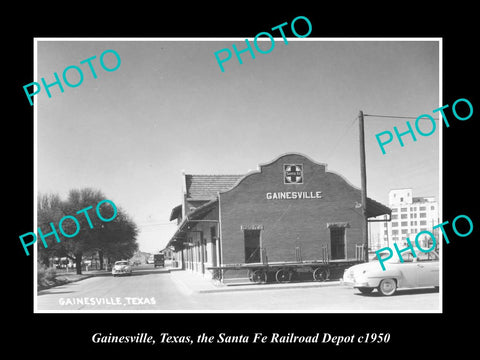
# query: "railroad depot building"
x,y
289,210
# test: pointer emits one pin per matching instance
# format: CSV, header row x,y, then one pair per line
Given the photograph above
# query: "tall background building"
x,y
410,215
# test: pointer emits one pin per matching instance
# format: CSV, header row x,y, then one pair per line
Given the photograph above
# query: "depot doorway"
x,y
337,243
252,246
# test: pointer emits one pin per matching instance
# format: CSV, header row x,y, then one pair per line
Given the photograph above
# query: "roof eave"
x,y
374,209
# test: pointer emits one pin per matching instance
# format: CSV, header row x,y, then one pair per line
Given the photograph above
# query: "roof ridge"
x,y
206,186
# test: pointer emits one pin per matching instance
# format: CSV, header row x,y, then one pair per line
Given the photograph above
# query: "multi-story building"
x,y
410,215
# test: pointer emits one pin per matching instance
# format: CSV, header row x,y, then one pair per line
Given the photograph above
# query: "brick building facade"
x,y
290,209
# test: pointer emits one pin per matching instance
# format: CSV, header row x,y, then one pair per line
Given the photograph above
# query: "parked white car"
x,y
121,268
421,271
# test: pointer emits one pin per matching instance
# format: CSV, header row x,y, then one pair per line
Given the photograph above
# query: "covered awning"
x,y
374,208
189,222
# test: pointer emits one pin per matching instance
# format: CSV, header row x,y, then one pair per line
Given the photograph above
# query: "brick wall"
x,y
289,223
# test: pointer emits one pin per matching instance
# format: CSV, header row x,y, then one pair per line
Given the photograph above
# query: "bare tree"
x,y
115,238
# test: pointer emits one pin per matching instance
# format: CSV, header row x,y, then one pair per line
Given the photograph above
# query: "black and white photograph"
x,y
255,189
250,181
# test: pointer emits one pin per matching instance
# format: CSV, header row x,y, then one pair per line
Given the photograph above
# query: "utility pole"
x,y
363,175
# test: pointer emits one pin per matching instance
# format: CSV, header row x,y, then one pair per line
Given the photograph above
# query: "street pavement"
x,y
173,290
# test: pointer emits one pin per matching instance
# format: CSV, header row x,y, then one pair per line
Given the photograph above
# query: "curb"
x,y
253,287
85,276
63,283
191,285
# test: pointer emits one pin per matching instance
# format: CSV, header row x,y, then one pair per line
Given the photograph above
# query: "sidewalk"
x,y
190,283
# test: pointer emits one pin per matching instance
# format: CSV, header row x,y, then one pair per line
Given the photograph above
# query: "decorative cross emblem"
x,y
293,173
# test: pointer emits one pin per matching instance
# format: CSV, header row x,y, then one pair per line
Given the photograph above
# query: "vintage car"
x,y
419,271
121,268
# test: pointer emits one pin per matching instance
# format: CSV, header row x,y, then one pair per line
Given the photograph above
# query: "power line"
x,y
396,117
156,224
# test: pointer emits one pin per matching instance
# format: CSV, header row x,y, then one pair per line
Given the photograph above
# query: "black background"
x,y
411,334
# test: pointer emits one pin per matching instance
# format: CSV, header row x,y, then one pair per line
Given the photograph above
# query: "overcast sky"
x,y
169,108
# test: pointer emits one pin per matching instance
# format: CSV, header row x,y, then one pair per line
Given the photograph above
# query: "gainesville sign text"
x,y
287,195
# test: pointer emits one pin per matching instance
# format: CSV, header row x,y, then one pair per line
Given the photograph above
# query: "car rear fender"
x,y
387,274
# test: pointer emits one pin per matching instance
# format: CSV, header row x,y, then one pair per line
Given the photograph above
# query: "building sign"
x,y
293,173
251,227
287,195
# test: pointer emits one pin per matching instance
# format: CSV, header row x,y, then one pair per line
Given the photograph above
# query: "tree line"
x,y
111,241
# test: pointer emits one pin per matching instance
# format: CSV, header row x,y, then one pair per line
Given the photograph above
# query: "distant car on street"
x,y
150,260
419,271
121,268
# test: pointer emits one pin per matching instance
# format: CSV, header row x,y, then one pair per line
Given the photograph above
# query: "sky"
x,y
169,108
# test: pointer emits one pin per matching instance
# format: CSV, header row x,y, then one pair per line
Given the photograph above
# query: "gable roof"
x,y
206,187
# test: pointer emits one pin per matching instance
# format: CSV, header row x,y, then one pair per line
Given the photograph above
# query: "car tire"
x,y
365,290
387,287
